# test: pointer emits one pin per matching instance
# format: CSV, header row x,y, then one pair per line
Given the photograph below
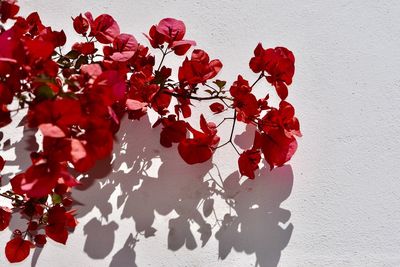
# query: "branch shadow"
x,y
149,179
254,222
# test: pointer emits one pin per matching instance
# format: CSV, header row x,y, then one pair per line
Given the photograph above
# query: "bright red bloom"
x,y
245,103
84,48
58,223
124,47
278,63
170,31
104,28
40,240
248,162
281,119
203,144
8,10
38,180
5,217
278,148
173,131
81,24
199,68
17,249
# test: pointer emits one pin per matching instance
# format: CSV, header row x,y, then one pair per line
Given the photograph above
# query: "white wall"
x,y
336,204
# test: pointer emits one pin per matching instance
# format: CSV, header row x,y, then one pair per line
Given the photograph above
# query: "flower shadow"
x,y
253,221
142,179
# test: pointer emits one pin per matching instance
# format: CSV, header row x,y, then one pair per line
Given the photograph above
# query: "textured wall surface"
x,y
336,204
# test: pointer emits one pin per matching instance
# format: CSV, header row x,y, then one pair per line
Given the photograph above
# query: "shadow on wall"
x,y
253,222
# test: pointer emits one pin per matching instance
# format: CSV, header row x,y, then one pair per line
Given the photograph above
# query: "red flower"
x,y
5,217
58,223
203,144
38,180
84,48
40,240
170,31
17,249
81,25
248,162
173,131
245,103
281,119
124,47
104,28
8,10
278,63
278,148
199,68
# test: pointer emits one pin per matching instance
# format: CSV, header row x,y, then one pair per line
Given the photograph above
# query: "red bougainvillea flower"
x,y
245,103
124,47
17,249
58,223
278,63
81,24
170,31
248,162
203,144
5,217
279,128
86,48
278,148
281,119
199,68
173,131
8,10
104,28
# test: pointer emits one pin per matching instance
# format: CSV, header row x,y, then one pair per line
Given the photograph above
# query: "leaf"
x,y
63,62
17,249
81,61
56,198
208,207
45,92
220,83
72,54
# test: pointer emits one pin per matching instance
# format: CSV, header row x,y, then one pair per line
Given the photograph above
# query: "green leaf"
x,y
72,54
63,62
220,83
45,92
81,61
57,199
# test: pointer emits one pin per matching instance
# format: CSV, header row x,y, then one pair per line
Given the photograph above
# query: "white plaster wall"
x,y
336,204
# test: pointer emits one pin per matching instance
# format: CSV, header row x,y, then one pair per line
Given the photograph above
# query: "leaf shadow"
x,y
149,179
254,222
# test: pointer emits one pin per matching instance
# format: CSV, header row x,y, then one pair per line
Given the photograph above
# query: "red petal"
x,y
248,162
17,249
51,130
217,107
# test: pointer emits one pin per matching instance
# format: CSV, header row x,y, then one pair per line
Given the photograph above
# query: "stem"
x,y
163,57
230,137
196,97
258,79
225,119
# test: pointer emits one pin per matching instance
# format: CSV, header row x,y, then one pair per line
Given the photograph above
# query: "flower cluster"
x,y
78,98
